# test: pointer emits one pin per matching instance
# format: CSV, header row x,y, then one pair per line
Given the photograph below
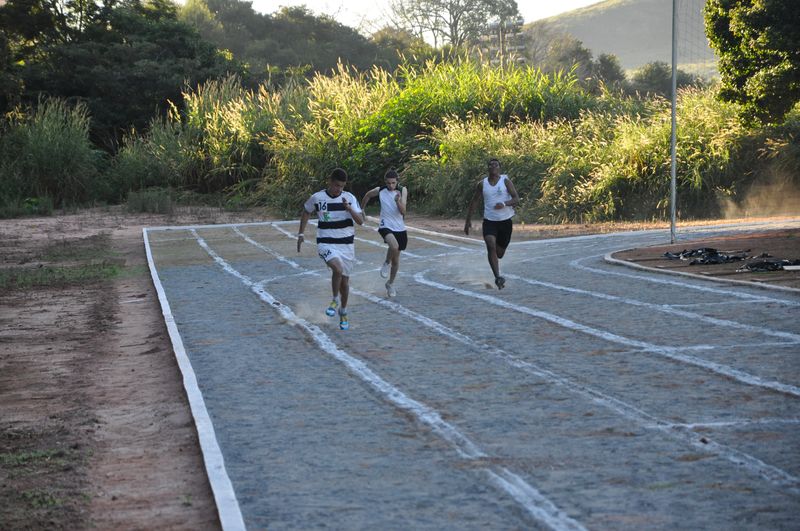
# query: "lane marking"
x,y
624,409
723,280
435,233
662,308
757,467
729,423
673,353
530,498
230,515
718,291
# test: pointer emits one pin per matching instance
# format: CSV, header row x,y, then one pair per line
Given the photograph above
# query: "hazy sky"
x,y
368,14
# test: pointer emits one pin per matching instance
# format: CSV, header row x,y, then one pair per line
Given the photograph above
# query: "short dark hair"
x,y
493,160
391,173
339,175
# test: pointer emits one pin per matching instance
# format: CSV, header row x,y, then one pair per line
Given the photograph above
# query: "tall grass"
x,y
215,143
573,156
367,123
602,165
46,155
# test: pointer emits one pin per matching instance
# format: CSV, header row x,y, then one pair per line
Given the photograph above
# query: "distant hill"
x,y
640,31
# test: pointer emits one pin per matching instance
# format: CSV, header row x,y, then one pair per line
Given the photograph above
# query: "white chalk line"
x,y
534,502
737,423
720,280
230,514
411,228
665,351
646,420
710,303
718,291
663,309
628,411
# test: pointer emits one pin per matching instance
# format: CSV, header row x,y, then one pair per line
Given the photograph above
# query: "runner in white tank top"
x,y
392,227
499,198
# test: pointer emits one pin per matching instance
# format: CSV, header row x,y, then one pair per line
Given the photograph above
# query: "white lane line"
x,y
757,467
267,250
364,240
230,515
383,245
667,352
442,244
696,276
435,233
530,498
760,346
220,226
628,411
728,423
709,303
663,309
681,284
542,509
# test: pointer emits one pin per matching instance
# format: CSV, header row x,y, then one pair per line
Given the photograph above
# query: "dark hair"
x,y
493,160
391,173
339,175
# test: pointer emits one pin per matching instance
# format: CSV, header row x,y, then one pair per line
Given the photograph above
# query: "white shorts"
x,y
346,253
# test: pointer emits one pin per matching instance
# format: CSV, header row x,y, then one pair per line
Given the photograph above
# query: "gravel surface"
x,y
583,395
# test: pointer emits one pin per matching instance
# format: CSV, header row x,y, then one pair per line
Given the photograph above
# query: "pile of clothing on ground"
x,y
710,256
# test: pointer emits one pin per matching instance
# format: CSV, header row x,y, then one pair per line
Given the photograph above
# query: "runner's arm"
x,y
513,192
368,197
303,223
475,195
352,208
401,201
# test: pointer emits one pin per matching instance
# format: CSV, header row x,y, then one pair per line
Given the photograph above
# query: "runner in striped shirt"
x,y
336,212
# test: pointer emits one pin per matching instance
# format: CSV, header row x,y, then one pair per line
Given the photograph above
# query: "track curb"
x,y
625,263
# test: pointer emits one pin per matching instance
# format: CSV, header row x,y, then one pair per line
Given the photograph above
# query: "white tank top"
x,y
391,218
493,195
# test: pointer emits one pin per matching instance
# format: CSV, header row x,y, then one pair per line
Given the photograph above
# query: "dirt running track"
x,y
95,430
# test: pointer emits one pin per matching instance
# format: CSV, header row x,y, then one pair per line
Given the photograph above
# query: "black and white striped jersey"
x,y
334,223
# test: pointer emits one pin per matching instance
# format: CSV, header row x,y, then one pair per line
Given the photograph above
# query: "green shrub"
x,y
45,152
151,200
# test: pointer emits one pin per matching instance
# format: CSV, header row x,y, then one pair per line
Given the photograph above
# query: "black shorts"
x,y
501,230
400,236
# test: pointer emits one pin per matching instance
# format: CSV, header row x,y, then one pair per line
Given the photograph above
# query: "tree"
x,y
607,69
656,78
196,13
397,45
758,43
565,52
125,63
537,38
11,86
454,22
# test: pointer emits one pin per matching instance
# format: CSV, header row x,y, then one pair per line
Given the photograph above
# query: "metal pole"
x,y
673,140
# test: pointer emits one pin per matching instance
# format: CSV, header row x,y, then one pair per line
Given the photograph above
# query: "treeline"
x,y
127,61
105,100
574,155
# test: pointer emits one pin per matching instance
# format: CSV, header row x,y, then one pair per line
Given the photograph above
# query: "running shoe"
x,y
501,282
385,270
344,324
330,311
390,291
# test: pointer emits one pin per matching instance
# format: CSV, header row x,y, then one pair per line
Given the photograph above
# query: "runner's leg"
x,y
335,264
491,252
392,255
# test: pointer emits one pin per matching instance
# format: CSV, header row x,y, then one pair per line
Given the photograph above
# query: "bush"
x,y
151,200
45,152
